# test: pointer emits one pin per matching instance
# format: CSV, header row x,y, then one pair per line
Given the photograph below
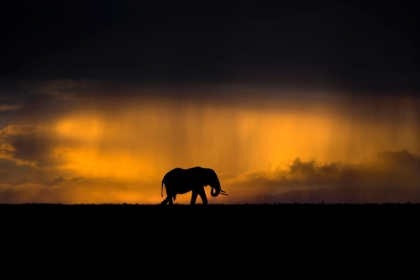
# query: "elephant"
x,y
180,181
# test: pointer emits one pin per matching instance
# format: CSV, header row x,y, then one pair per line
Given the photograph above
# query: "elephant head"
x,y
212,180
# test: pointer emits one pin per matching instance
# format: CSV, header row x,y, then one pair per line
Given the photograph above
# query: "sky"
x,y
288,102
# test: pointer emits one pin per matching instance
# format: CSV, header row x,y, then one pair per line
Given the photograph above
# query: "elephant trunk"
x,y
215,190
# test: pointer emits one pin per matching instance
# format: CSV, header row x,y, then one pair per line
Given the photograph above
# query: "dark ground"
x,y
241,236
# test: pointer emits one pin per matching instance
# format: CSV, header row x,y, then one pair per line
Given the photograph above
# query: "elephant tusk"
x,y
224,194
222,191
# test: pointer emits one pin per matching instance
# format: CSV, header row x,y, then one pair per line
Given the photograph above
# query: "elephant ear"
x,y
206,177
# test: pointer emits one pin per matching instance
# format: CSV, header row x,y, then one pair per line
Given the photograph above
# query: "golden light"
x,y
124,147
145,139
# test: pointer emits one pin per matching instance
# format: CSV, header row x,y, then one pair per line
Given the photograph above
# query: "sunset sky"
x,y
309,101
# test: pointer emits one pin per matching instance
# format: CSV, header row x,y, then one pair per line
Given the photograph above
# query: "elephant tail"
x,y
161,190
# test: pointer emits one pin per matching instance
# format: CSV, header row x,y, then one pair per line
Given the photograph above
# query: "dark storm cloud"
x,y
325,44
45,100
30,145
32,102
13,96
12,173
392,177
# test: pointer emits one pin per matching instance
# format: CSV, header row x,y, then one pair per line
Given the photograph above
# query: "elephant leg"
x,y
193,197
203,196
167,200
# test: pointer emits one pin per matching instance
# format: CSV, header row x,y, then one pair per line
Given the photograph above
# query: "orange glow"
x,y
81,127
144,142
139,140
93,162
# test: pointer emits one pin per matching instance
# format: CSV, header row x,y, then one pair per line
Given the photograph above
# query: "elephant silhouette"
x,y
180,181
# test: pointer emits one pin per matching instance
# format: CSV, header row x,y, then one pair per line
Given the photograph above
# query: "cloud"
x,y
401,160
393,176
68,129
29,145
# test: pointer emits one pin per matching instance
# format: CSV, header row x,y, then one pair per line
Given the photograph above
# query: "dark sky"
x,y
354,46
